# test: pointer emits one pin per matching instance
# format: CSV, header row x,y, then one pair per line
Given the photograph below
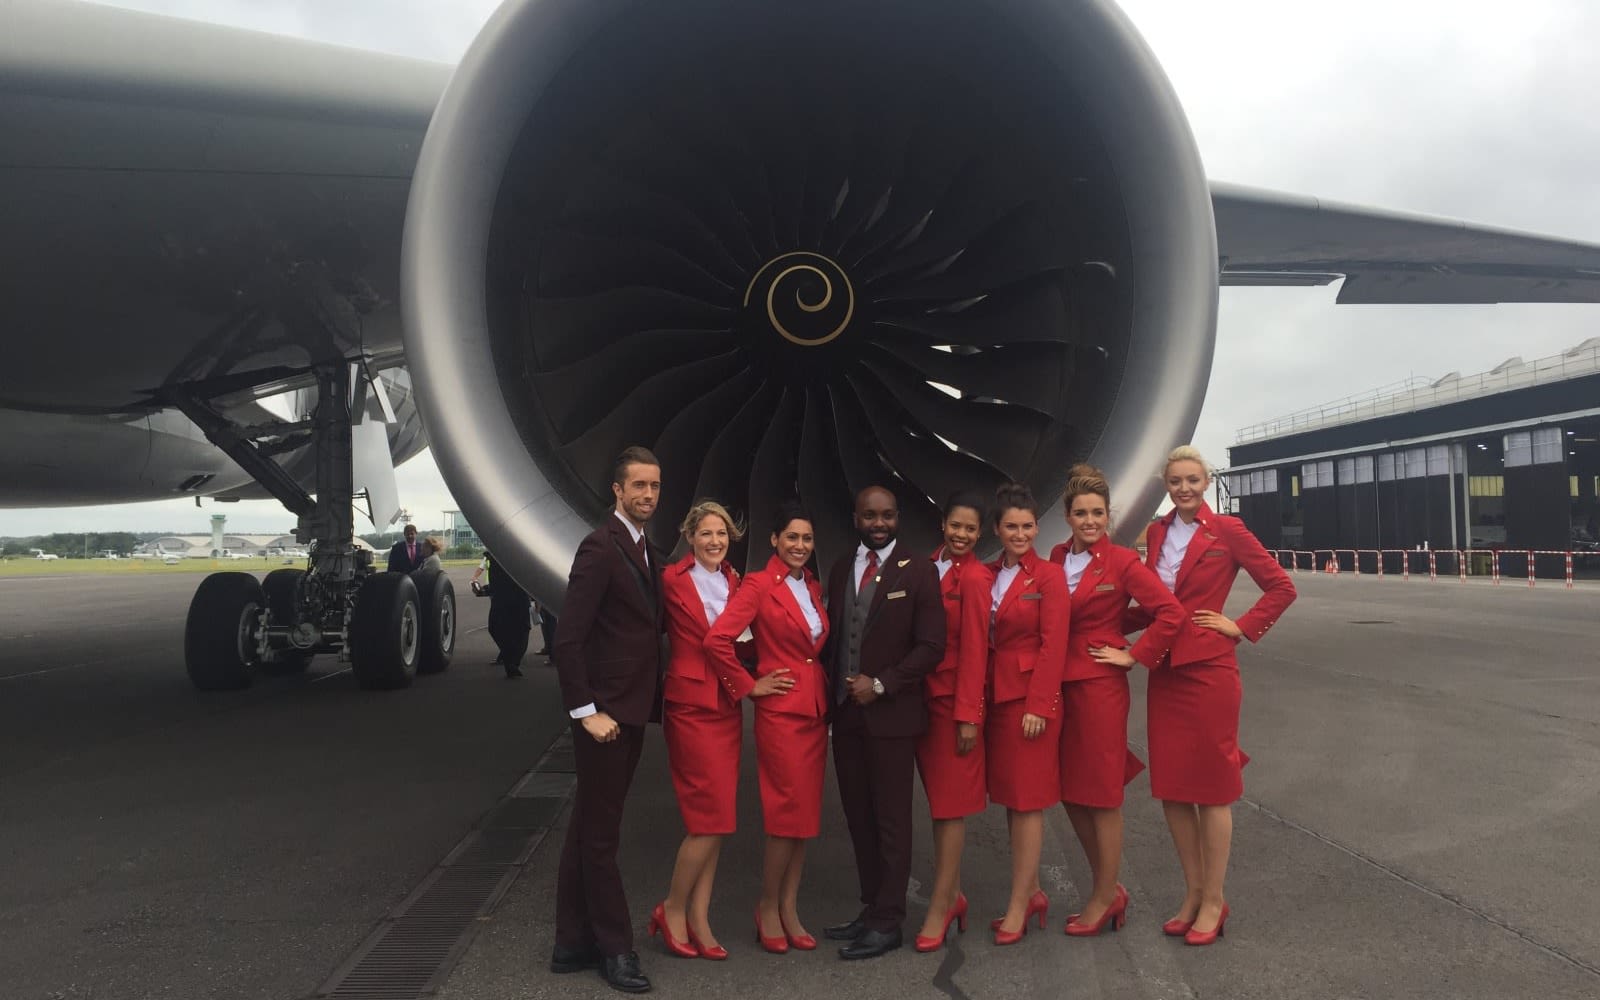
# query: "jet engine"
x,y
796,249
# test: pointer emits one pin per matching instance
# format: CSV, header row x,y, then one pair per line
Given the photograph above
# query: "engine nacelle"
x,y
797,249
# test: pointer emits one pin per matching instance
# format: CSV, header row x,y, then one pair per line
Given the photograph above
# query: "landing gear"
x,y
220,642
340,603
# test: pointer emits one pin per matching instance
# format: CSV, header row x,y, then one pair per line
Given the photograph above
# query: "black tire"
x,y
438,600
219,649
386,632
279,587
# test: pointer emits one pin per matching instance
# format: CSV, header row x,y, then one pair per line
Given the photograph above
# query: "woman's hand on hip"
x,y
777,682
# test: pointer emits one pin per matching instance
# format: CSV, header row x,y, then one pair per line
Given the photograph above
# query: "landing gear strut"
x,y
387,625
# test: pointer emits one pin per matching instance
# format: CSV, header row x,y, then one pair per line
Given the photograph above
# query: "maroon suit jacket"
x,y
903,642
608,637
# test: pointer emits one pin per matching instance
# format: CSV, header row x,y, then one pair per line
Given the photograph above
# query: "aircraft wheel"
x,y
219,639
280,586
386,632
438,600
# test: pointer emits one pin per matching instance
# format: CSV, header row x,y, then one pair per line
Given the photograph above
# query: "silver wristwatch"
x,y
877,686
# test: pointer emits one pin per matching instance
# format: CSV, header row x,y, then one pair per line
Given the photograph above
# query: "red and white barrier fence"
x,y
1329,561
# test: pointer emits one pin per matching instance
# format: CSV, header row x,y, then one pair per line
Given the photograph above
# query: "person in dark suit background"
x,y
608,662
508,617
887,635
407,554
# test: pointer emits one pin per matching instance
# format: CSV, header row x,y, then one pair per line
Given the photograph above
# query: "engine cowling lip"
x,y
477,446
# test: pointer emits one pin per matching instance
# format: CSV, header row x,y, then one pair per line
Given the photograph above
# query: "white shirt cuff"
x,y
584,712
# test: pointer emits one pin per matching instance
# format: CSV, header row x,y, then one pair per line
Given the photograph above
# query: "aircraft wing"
x,y
1392,258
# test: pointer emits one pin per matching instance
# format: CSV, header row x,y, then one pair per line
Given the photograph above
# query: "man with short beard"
x,y
608,659
887,634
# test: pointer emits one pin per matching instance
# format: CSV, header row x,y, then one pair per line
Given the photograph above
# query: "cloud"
x,y
1483,114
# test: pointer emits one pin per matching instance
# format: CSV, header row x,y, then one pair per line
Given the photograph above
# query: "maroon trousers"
x,y
591,906
875,776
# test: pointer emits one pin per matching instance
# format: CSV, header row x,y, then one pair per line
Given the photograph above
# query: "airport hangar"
x,y
1505,460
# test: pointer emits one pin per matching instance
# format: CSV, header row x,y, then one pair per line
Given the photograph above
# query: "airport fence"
x,y
1494,564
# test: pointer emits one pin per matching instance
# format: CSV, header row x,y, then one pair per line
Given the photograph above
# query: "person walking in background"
x,y
782,606
1030,617
950,754
704,728
888,627
432,548
509,624
608,661
406,554
1096,764
1193,698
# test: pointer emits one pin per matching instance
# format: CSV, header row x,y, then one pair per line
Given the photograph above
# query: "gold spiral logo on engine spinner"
x,y
819,319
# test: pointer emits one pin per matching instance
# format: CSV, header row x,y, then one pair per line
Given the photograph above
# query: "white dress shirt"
x,y
861,560
712,587
1076,563
1002,583
802,596
943,563
1173,549
634,533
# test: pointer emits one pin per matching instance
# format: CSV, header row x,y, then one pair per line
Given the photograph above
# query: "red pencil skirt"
x,y
791,755
1193,713
1096,763
955,783
703,747
1024,775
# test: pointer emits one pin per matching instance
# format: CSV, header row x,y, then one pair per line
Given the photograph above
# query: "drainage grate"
x,y
1372,621
410,955
541,784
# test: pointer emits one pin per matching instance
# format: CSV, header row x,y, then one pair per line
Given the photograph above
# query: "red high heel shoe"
x,y
1039,904
799,942
1176,927
658,922
957,914
715,953
1202,938
776,945
1116,915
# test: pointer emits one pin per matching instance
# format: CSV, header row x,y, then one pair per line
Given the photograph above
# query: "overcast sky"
x,y
1475,110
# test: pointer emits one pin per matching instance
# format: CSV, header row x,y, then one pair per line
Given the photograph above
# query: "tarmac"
x,y
1419,819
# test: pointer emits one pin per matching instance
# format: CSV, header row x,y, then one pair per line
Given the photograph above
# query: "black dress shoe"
x,y
872,944
565,960
621,972
845,932
513,671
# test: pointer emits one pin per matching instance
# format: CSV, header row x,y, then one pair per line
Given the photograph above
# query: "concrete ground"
x,y
1419,819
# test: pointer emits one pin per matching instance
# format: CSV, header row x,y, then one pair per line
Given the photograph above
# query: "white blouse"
x,y
1002,583
712,587
802,596
1076,563
1173,549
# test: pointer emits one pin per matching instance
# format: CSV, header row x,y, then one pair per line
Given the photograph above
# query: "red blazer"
x,y
690,679
964,592
764,604
1216,553
1113,578
1028,638
608,638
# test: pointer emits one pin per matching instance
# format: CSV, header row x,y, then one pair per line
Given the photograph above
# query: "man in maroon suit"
x,y
608,659
887,635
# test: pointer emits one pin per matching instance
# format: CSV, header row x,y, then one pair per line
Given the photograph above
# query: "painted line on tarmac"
x,y
54,670
1439,894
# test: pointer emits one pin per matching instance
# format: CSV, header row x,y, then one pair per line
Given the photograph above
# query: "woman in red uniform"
x,y
1096,764
950,755
1193,706
782,605
1029,617
704,728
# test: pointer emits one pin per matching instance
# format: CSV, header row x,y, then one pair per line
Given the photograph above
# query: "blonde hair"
x,y
1083,479
707,508
434,543
1186,453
